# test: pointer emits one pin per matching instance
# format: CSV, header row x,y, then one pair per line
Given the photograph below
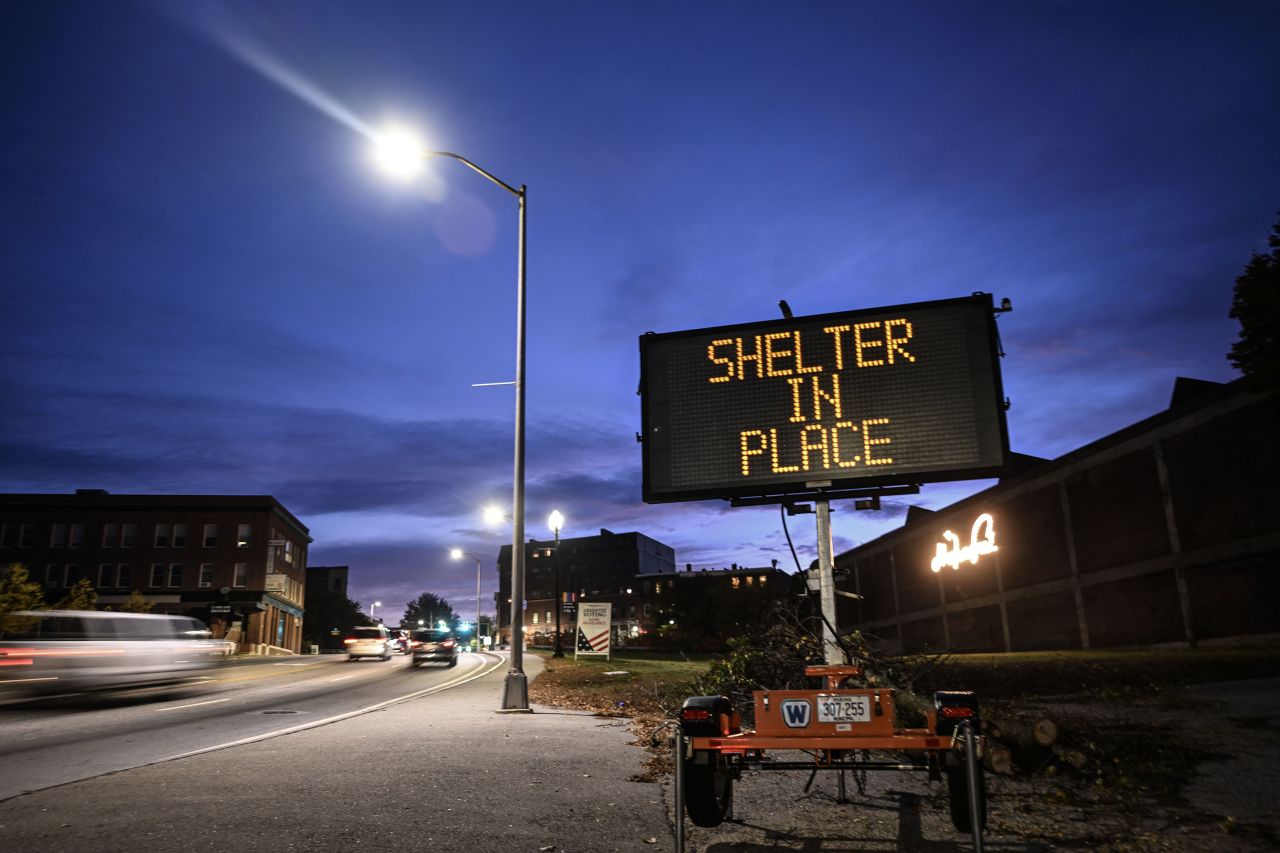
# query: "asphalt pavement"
x,y
439,773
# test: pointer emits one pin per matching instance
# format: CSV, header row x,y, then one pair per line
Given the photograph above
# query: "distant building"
x,y
233,561
1166,532
328,579
637,575
607,567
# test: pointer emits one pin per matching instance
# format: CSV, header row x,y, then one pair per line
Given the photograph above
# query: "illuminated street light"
x,y
458,554
373,608
494,515
556,521
394,150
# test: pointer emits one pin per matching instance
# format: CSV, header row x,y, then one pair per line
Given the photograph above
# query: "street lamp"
x,y
556,521
403,155
458,554
373,608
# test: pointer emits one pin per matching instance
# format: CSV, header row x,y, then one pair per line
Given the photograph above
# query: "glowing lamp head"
x,y
455,553
555,521
398,153
492,515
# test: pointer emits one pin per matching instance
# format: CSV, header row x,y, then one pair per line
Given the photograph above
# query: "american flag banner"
x,y
594,622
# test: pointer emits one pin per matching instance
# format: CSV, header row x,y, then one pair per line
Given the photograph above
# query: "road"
x,y
53,741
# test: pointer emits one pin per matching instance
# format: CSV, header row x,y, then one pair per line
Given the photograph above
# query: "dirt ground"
x,y
1186,769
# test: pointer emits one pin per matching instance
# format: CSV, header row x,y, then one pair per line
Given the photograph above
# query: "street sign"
x,y
905,394
594,624
220,608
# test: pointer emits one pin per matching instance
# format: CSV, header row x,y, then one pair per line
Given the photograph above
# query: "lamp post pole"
x,y
457,554
556,521
402,154
515,694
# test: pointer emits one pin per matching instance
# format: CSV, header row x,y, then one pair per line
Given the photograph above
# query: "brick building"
x,y
1165,532
608,567
236,562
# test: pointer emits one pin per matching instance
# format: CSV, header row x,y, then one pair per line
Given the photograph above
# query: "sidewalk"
x,y
405,778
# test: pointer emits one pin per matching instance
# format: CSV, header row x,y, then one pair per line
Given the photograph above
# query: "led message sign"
x,y
900,395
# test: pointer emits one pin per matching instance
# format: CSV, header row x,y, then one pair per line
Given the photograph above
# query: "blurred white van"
x,y
68,650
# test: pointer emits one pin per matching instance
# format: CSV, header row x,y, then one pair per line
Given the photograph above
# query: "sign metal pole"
x,y
831,651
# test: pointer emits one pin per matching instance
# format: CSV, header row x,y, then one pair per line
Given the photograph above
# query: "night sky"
x,y
207,287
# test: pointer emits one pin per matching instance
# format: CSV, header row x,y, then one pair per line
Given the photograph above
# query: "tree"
x,y
428,608
136,603
17,592
82,596
1256,305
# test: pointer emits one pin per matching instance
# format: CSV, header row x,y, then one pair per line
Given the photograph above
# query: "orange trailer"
x,y
840,726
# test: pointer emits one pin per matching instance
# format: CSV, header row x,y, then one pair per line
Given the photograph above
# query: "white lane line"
x,y
193,705
343,677
462,679
308,663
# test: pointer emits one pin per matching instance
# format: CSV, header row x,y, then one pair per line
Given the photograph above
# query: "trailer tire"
x,y
958,796
708,788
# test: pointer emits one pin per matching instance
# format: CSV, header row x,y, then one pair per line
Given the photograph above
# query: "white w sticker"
x,y
795,713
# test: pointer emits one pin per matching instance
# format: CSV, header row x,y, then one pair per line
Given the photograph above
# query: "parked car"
x,y
435,644
69,650
368,641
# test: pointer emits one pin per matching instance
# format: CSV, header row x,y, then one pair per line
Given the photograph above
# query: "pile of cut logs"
x,y
1013,746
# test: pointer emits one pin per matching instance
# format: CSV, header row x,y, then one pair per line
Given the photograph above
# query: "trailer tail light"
x,y
695,715
958,712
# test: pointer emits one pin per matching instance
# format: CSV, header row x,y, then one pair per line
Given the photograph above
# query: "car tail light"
x,y
349,640
16,657
448,644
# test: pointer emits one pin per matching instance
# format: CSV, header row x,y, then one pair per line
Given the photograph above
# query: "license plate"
x,y
843,709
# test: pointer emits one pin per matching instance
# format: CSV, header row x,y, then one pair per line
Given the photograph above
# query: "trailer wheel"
x,y
708,788
958,794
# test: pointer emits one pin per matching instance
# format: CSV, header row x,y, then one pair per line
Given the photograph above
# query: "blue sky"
x,y
208,289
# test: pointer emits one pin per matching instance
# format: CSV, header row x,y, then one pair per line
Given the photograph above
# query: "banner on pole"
x,y
593,629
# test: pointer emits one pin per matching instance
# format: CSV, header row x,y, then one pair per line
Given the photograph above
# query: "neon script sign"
x,y
982,541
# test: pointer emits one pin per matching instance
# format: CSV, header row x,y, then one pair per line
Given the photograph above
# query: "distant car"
x,y
435,644
400,641
368,641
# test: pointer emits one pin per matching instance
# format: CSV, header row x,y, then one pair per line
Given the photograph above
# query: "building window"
x,y
751,581
764,579
648,609
8,535
210,535
124,575
242,535
128,535
206,575
77,536
70,574
548,617
535,618
288,551
58,536
106,573
657,587
110,536
162,536
51,573
27,536
175,574
735,582
179,536
241,576
157,575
